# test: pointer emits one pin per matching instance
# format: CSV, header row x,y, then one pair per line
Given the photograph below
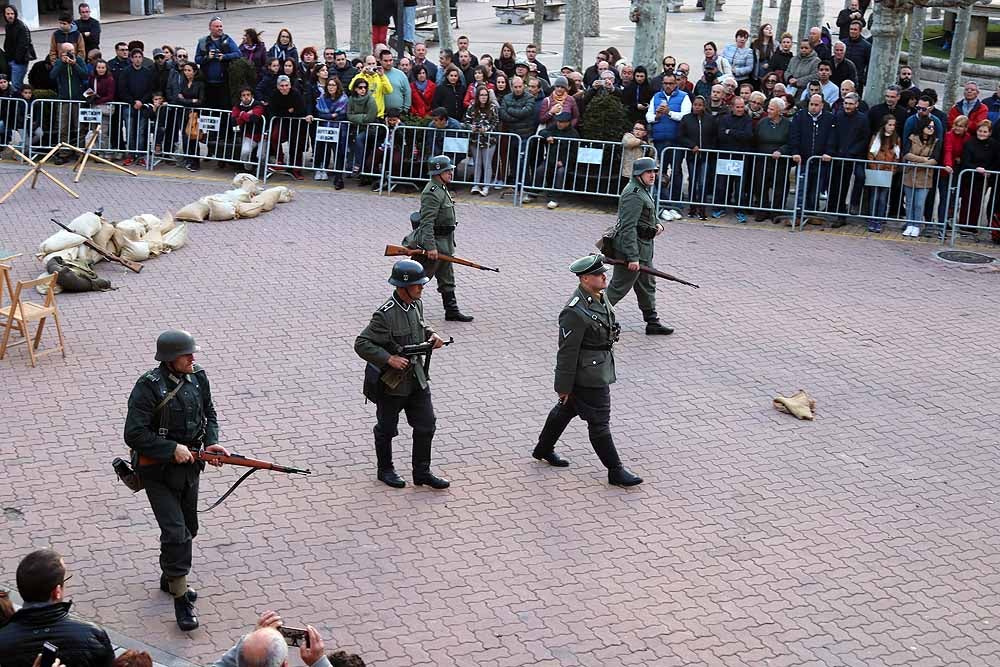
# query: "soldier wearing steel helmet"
x,y
633,243
170,412
435,232
399,322
585,370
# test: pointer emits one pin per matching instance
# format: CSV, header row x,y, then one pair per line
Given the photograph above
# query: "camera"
x,y
294,636
49,652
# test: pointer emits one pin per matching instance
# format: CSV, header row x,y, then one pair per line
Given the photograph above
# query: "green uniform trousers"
x,y
444,272
174,499
623,281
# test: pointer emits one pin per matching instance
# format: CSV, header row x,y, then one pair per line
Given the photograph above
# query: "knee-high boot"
x,y
422,464
451,311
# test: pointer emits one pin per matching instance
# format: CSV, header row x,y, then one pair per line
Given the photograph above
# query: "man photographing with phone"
x,y
44,619
268,645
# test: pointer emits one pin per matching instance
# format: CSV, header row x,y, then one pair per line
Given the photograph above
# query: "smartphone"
x,y
49,652
294,636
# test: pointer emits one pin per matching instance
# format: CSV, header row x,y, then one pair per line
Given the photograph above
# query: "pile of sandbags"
x,y
138,238
246,200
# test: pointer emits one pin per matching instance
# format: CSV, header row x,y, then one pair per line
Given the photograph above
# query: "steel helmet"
x,y
407,272
174,343
642,165
440,164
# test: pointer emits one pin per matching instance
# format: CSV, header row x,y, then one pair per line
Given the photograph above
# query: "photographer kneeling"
x,y
266,645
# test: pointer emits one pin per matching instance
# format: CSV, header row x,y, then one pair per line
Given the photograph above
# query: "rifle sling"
x,y
231,489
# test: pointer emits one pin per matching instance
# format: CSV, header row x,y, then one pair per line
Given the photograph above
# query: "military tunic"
x,y
393,325
633,242
189,418
585,369
436,231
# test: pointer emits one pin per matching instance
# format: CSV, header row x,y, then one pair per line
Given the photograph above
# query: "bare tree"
x,y
953,80
888,20
329,25
756,11
784,11
592,19
918,19
573,36
650,18
709,11
444,24
361,25
536,28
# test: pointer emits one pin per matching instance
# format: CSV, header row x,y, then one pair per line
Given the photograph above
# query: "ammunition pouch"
x,y
372,387
646,233
444,231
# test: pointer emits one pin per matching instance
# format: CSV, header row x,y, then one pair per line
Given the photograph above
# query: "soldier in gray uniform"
x,y
633,242
398,322
436,233
585,369
170,412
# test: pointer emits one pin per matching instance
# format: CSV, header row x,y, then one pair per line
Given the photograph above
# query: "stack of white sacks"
x,y
144,236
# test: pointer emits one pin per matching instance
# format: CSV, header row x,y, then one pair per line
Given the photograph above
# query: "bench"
x,y
517,13
426,21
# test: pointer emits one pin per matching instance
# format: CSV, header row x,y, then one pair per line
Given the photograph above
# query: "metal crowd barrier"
x,y
977,204
13,121
589,166
326,146
122,130
200,133
869,190
719,180
413,146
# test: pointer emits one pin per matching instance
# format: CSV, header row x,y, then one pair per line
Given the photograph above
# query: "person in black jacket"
x,y
289,105
735,133
135,87
41,581
449,94
637,94
811,135
191,94
698,130
16,45
851,140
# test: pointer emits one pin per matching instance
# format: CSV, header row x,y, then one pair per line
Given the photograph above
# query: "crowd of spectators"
x,y
754,97
44,619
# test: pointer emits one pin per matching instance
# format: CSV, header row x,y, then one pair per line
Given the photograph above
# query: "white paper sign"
x,y
88,115
456,145
877,178
590,155
328,134
729,167
208,123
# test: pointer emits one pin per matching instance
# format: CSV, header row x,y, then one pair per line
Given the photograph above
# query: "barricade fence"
x,y
481,159
323,146
897,194
116,129
574,166
13,120
977,204
711,181
189,135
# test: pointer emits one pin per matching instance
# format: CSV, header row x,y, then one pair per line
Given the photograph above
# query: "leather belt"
x,y
443,231
597,348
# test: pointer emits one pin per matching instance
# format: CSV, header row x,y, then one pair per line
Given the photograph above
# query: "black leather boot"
x,y
551,458
192,595
653,326
386,471
451,311
422,465
184,611
425,476
622,476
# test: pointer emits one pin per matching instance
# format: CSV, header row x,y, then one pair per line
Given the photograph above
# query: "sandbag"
x,y
249,210
233,196
268,198
130,229
137,251
86,224
43,289
175,238
68,253
284,194
193,212
60,241
246,182
148,220
165,225
85,254
103,238
219,209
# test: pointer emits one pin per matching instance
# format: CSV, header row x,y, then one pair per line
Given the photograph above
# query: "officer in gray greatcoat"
x,y
585,370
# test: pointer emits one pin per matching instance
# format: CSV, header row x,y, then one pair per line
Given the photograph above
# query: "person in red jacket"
x,y
423,93
248,115
969,106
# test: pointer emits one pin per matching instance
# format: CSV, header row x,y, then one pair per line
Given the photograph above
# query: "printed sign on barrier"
x,y
88,115
729,167
589,155
208,123
877,178
456,145
328,134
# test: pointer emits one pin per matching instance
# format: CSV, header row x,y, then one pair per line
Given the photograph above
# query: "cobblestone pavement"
x,y
867,537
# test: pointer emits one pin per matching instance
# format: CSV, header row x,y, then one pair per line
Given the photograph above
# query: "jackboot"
x,y
386,471
622,476
422,465
185,613
192,595
653,326
451,311
551,458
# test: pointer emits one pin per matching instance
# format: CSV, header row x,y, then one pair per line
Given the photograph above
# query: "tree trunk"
x,y
536,28
592,19
444,25
361,26
756,11
709,11
784,11
918,19
329,25
805,14
953,80
573,37
887,30
650,32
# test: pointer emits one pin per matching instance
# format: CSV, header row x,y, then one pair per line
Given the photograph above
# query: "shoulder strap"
x,y
166,399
